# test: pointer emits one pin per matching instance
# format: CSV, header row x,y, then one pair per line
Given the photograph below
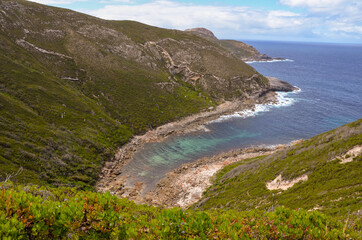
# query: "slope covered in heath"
x,y
74,87
245,51
321,173
239,49
33,212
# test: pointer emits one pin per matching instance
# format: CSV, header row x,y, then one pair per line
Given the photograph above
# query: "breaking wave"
x,y
270,61
283,100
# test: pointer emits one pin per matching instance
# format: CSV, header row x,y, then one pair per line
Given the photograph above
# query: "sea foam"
x,y
271,61
283,100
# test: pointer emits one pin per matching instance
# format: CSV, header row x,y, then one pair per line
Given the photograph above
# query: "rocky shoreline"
x,y
262,58
169,191
185,185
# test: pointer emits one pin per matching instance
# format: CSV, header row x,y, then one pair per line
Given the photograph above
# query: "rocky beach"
x,y
184,186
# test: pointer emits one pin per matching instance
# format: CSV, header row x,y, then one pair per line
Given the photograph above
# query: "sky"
x,y
335,21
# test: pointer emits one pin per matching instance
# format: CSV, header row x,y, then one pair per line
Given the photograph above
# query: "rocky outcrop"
x,y
185,185
204,67
203,32
279,85
197,60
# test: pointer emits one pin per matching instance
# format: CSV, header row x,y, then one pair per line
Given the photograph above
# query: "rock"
x,y
202,32
279,85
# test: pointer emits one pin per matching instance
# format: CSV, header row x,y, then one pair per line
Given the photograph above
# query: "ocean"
x,y
329,77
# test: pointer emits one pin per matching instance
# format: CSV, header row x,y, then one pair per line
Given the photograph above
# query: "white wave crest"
x,y
282,101
270,61
298,90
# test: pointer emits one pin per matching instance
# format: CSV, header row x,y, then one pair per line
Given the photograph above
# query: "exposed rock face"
x,y
279,184
279,85
198,61
202,32
185,185
204,66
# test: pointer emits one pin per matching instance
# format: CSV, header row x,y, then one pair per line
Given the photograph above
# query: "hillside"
x,y
74,87
239,49
245,51
331,162
321,173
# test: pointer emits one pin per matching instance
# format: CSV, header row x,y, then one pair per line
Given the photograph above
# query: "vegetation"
x,y
333,188
33,212
240,49
74,88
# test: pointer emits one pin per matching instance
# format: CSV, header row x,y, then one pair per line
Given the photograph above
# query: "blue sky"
x,y
288,20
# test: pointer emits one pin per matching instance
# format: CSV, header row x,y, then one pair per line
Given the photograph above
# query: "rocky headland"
x,y
239,49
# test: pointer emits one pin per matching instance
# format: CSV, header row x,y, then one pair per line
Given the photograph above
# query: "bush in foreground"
x,y
33,212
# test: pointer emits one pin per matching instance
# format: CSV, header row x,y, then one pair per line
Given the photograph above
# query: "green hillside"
x,y
239,49
323,182
237,206
74,88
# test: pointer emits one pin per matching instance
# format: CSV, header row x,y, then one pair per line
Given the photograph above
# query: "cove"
x,y
329,77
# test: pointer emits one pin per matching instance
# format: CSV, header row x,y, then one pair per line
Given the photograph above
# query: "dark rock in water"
x,y
279,85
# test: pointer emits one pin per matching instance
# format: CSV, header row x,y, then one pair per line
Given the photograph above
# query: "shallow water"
x,y
330,79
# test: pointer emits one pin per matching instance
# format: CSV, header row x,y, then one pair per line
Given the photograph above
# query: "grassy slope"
x,y
240,49
61,131
33,133
333,187
43,213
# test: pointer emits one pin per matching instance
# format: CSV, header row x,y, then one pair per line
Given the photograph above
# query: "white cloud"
x,y
313,4
223,20
115,1
57,1
337,18
326,6
330,20
345,28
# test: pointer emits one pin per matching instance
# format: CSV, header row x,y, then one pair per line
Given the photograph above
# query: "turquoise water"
x,y
180,148
330,79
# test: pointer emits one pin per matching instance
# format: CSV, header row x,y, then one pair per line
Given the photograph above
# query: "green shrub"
x,y
34,212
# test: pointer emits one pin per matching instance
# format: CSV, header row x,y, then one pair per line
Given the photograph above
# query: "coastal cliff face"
x,y
75,87
239,49
91,44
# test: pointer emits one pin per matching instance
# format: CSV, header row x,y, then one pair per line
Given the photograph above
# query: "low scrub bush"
x,y
33,212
